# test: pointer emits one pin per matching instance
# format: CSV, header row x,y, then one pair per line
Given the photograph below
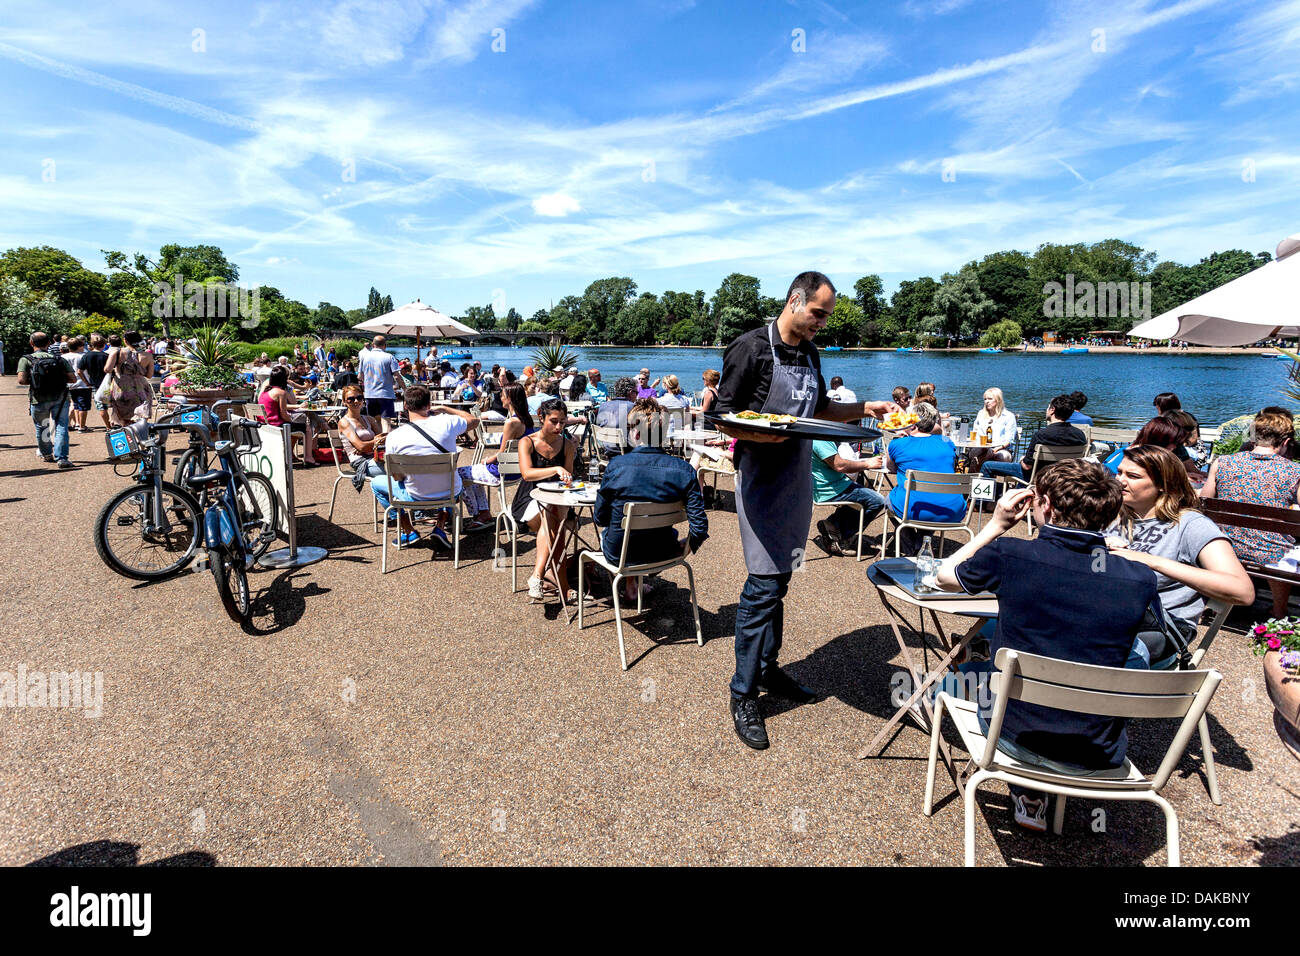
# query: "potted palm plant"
x,y
554,358
211,372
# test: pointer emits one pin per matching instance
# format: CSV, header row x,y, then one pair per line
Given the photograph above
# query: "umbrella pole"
x,y
417,344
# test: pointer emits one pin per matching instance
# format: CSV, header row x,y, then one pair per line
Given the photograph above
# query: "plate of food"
x,y
561,486
897,421
792,426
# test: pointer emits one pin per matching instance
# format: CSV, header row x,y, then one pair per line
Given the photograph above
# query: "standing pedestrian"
x,y
47,378
377,369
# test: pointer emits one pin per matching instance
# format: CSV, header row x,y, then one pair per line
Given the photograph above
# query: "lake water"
x,y
1119,386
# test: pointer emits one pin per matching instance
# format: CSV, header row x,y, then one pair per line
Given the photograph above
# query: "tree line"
x,y
996,300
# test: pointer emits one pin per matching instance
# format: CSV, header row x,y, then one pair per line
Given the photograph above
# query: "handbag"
x,y
1158,619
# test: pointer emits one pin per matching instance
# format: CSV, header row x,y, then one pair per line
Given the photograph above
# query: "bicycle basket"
x,y
124,443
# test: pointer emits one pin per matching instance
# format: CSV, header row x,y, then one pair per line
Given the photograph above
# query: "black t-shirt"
x,y
1052,434
343,379
92,363
747,371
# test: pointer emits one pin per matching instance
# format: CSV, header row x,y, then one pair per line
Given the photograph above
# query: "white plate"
x,y
747,422
576,488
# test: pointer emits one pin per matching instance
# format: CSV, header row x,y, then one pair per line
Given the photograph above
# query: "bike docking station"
x,y
275,460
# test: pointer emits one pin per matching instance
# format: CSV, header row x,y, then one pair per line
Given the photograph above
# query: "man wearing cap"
x,y
776,369
567,382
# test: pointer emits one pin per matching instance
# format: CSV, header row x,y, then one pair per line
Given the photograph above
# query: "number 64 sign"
x,y
983,489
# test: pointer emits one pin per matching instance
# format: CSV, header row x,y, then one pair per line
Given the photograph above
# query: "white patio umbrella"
x,y
1259,305
417,319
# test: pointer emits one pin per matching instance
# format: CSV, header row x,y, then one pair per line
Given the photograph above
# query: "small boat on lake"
x,y
990,351
833,348
904,348
1074,351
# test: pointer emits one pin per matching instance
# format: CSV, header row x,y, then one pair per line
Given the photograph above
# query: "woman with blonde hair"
x,y
997,425
673,396
360,434
1162,527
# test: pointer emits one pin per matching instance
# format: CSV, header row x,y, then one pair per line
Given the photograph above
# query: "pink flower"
x,y
1274,643
1260,629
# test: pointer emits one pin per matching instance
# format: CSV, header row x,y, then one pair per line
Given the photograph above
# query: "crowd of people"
x,y
1139,504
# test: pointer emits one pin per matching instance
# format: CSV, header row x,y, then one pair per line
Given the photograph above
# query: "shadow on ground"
x,y
118,853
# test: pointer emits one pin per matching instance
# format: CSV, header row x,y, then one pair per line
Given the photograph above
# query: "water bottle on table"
x,y
923,583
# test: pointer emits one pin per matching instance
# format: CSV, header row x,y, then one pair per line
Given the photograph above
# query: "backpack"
x,y
49,376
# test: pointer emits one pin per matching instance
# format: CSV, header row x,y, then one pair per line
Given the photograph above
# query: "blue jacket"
x,y
649,474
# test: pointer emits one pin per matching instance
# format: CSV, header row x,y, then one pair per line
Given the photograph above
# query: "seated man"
x,y
838,393
431,431
596,390
1079,418
1059,595
648,473
831,482
613,413
1057,432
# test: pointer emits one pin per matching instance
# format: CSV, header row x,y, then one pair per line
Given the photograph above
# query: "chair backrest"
x,y
937,483
1242,514
398,467
255,411
1045,455
340,456
646,515
1114,436
508,468
611,435
1219,613
485,429
1103,691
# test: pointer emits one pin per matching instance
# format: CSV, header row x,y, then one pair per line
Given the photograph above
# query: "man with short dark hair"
x,y
1078,418
430,431
47,378
776,369
91,367
613,413
838,393
1049,589
1057,432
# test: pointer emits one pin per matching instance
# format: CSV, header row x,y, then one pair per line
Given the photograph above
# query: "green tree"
x,y
374,303
133,278
911,303
740,292
959,309
1001,335
844,326
46,269
24,311
603,300
638,321
686,332
328,318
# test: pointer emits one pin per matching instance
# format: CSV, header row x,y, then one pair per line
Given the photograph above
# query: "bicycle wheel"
x,y
193,461
257,507
132,544
232,584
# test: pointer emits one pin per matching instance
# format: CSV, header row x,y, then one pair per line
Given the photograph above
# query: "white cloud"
x,y
555,204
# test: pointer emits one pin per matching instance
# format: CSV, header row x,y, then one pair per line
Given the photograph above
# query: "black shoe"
x,y
780,684
830,540
749,722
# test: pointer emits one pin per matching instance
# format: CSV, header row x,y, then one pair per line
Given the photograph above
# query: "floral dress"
x,y
1258,479
131,395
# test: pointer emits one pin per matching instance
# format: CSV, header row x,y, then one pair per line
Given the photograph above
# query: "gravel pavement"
x,y
430,716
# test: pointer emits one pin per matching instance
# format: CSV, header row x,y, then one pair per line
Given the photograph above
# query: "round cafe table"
x,y
575,501
896,599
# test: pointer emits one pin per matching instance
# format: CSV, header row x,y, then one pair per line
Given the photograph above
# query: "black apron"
x,y
774,499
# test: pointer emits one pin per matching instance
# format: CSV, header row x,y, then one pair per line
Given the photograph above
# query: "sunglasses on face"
x,y
353,399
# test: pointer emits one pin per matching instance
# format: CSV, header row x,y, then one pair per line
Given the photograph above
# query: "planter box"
x,y
210,396
1284,691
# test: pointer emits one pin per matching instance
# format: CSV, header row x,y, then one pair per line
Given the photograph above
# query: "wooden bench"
x,y
1241,514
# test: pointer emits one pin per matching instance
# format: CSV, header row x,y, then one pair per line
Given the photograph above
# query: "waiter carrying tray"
x,y
776,370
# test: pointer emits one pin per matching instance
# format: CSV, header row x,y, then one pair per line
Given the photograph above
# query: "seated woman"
x,y
1163,433
673,396
546,455
578,389
923,448
994,420
711,379
1160,525
1260,476
361,434
275,403
475,477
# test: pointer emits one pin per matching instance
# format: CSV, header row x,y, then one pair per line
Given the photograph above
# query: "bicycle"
x,y
163,515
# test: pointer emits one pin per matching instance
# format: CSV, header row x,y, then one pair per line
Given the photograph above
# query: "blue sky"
x,y
669,140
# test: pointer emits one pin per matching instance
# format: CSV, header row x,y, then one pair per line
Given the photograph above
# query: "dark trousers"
x,y
760,622
381,408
